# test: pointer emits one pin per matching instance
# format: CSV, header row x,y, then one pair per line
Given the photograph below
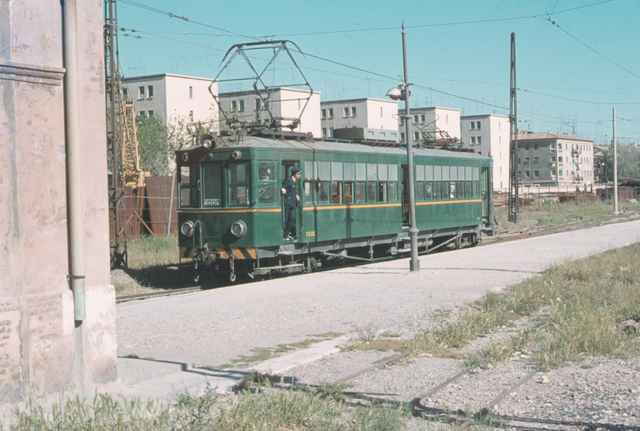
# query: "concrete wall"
x,y
489,135
425,122
285,104
41,349
376,114
172,100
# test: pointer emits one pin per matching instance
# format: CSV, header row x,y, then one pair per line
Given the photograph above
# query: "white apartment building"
x,y
285,105
377,118
558,160
172,97
488,135
432,125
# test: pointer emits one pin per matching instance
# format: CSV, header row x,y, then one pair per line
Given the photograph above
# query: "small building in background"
x,y
432,126
488,134
284,106
563,161
171,98
363,119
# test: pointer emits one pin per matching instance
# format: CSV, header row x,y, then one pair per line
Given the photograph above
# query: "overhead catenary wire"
x,y
183,18
594,50
442,24
370,72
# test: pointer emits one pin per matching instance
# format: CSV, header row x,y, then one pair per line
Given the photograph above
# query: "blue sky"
x,y
469,60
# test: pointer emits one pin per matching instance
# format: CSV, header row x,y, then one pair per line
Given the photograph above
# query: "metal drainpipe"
x,y
74,162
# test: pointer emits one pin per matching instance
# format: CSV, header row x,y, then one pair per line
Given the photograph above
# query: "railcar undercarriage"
x,y
232,264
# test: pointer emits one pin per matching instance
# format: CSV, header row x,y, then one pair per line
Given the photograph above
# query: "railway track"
x,y
505,237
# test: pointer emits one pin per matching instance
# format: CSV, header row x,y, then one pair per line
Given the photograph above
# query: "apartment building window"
x,y
150,91
401,136
241,108
324,114
345,112
234,106
330,113
142,115
353,111
331,132
141,92
422,118
479,140
478,125
473,139
473,125
536,173
150,114
416,135
415,119
190,92
528,174
324,132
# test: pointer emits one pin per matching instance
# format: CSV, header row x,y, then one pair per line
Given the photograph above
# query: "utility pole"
x,y
114,126
513,141
615,160
413,229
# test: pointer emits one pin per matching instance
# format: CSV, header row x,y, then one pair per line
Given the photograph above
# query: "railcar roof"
x,y
291,144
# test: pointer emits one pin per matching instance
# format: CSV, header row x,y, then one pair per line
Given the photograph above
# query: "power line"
x,y
571,99
183,18
442,24
591,48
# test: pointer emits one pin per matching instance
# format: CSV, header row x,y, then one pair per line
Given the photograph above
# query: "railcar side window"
x,y
347,192
452,190
238,175
266,182
212,185
360,191
324,183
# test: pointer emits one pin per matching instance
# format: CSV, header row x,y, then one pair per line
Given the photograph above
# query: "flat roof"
x,y
549,137
248,92
164,75
361,99
432,108
464,117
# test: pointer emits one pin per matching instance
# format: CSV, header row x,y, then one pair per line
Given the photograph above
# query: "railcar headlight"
x,y
238,228
187,229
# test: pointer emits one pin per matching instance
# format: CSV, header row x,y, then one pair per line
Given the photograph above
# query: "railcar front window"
x,y
238,184
212,183
188,183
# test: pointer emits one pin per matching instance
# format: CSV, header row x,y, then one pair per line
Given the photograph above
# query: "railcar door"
x,y
405,195
287,169
485,193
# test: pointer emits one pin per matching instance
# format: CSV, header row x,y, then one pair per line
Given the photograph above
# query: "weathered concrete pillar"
x,y
42,349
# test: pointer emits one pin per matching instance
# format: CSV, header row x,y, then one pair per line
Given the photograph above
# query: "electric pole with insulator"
x,y
513,141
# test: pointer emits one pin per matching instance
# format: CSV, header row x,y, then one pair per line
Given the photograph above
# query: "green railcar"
x,y
354,203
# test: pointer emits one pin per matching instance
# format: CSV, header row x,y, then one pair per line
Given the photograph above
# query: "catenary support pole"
x,y
413,229
615,161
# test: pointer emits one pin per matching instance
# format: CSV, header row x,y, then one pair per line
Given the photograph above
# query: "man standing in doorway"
x,y
291,202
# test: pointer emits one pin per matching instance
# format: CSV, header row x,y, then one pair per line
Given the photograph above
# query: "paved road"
x,y
213,327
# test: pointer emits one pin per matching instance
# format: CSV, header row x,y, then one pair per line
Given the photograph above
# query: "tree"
x,y
153,144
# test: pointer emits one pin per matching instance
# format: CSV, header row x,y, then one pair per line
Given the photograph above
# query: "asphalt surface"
x,y
214,327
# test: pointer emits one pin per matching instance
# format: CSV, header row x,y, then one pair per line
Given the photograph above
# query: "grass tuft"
x,y
282,411
584,302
